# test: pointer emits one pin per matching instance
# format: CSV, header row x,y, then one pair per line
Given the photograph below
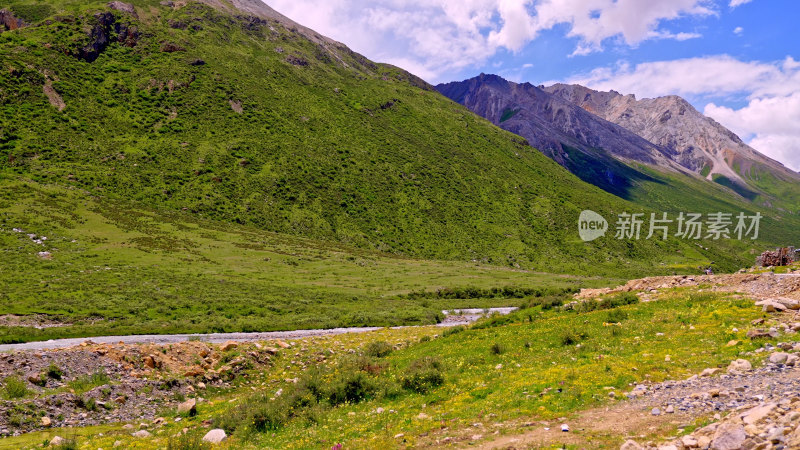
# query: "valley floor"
x,y
609,367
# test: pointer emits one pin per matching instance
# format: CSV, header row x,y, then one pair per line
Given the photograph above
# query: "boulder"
x,y
194,371
188,407
728,436
142,434
778,358
759,333
789,303
755,415
689,442
739,366
630,445
228,346
215,436
56,441
46,422
710,372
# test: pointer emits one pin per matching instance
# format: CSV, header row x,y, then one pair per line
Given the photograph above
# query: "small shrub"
x,y
378,349
616,316
14,387
351,387
425,339
269,416
572,338
453,330
498,348
189,441
54,372
89,382
88,404
622,299
423,375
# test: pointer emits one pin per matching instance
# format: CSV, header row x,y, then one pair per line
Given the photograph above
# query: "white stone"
x,y
215,436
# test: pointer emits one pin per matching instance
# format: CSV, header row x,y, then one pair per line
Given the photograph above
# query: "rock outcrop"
x,y
107,29
9,22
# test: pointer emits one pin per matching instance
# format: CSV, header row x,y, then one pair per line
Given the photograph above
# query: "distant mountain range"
x,y
602,136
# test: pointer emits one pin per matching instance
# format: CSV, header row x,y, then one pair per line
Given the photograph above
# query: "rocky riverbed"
x,y
753,408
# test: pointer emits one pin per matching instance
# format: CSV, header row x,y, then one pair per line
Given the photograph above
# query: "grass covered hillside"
x,y
244,120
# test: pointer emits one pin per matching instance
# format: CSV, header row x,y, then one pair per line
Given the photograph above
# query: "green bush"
x,y
423,375
189,441
616,316
571,337
54,372
453,330
14,387
89,382
622,299
351,387
498,349
262,414
378,349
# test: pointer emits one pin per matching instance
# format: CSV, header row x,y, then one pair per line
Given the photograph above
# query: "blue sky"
x,y
737,61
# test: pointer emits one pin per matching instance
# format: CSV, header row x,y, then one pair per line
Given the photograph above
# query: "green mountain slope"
x,y
248,120
199,169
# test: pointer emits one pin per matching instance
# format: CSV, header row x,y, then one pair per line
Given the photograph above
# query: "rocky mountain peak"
x,y
699,143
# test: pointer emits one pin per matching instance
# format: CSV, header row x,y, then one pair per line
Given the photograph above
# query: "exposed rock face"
x,y
8,22
106,27
124,7
696,141
578,140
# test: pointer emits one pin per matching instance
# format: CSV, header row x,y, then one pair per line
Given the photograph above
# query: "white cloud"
x,y
433,37
771,118
738,30
772,124
632,21
527,66
701,76
735,3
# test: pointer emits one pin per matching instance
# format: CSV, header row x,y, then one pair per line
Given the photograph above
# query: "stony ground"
x,y
103,383
762,286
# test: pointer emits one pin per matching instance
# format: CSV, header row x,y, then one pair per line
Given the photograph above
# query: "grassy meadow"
x,y
398,388
116,269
